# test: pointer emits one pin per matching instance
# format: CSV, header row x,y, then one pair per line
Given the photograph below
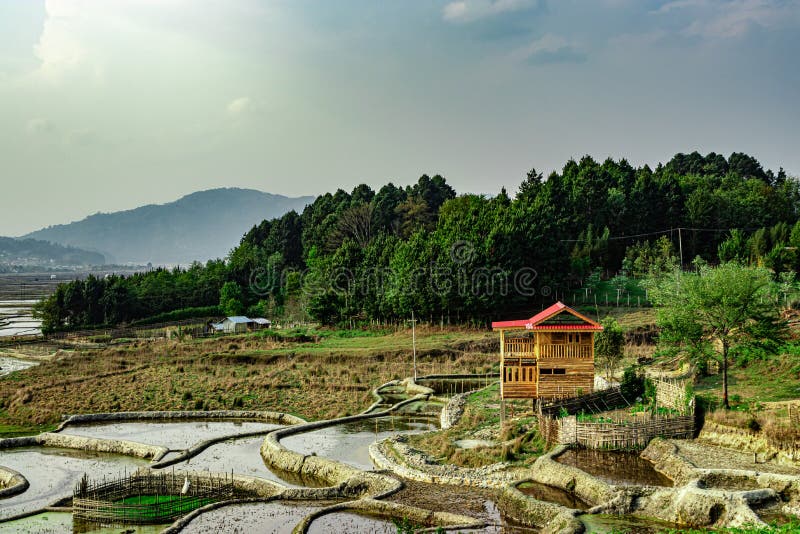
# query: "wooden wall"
x,y
578,378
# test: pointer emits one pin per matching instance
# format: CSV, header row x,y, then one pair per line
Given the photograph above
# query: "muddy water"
x,y
242,456
472,502
546,493
612,524
773,514
269,517
615,467
351,522
349,443
53,472
173,434
9,365
62,523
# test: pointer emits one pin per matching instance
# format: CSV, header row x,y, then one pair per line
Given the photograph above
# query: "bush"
x,y
179,315
632,385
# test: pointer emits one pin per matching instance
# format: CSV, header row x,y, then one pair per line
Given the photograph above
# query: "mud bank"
x,y
278,418
11,482
63,441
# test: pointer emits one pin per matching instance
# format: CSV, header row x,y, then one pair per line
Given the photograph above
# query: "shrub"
x,y
632,385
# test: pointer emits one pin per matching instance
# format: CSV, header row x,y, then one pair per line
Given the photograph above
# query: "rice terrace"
x,y
469,266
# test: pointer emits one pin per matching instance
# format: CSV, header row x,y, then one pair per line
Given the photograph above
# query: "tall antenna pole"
x,y
414,342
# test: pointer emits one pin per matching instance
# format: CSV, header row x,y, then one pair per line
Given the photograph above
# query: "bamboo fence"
x,y
596,402
164,499
617,435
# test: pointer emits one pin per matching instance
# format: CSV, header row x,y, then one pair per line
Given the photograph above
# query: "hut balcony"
x,y
515,349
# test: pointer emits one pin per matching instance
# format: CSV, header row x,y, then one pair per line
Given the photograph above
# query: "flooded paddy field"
x,y
615,467
16,318
267,517
773,514
473,502
241,455
612,524
349,443
542,492
53,473
9,364
351,522
63,523
175,435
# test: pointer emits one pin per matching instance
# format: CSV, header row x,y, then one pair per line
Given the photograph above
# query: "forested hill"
x,y
377,255
33,253
197,227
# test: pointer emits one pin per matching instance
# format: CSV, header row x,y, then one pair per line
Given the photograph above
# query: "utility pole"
x,y
414,342
680,247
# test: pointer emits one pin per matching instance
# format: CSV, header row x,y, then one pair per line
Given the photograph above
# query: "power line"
x,y
660,232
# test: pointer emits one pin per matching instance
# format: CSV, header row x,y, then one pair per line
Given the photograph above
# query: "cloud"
x,y
239,106
552,49
39,126
733,18
59,48
462,11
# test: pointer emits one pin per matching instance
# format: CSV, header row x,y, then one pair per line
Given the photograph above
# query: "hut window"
x,y
545,371
559,371
574,338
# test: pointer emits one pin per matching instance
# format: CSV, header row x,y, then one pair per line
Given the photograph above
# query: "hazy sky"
x,y
110,104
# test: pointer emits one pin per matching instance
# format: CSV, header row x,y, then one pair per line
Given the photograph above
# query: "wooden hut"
x,y
549,356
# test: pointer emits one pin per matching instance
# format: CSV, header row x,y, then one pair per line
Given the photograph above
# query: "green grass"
x,y
775,379
363,342
789,528
157,507
14,431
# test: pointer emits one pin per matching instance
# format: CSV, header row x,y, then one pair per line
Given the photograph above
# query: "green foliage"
x,y
406,526
791,527
609,345
717,312
632,384
179,315
366,256
651,258
230,299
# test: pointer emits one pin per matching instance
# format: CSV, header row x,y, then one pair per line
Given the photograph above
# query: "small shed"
x,y
236,325
550,356
212,327
260,322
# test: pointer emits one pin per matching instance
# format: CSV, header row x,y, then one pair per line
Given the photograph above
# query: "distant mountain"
x,y
199,226
34,253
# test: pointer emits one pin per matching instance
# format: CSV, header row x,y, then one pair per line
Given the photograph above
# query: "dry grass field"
x,y
317,374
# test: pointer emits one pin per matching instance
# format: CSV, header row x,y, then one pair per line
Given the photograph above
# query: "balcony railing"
x,y
515,348
565,351
519,347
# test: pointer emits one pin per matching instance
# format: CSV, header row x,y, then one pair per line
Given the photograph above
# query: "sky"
x,y
112,104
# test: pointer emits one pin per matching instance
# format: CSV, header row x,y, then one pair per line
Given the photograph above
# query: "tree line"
x,y
378,255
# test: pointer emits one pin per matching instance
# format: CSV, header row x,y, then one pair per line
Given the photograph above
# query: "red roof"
x,y
555,309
